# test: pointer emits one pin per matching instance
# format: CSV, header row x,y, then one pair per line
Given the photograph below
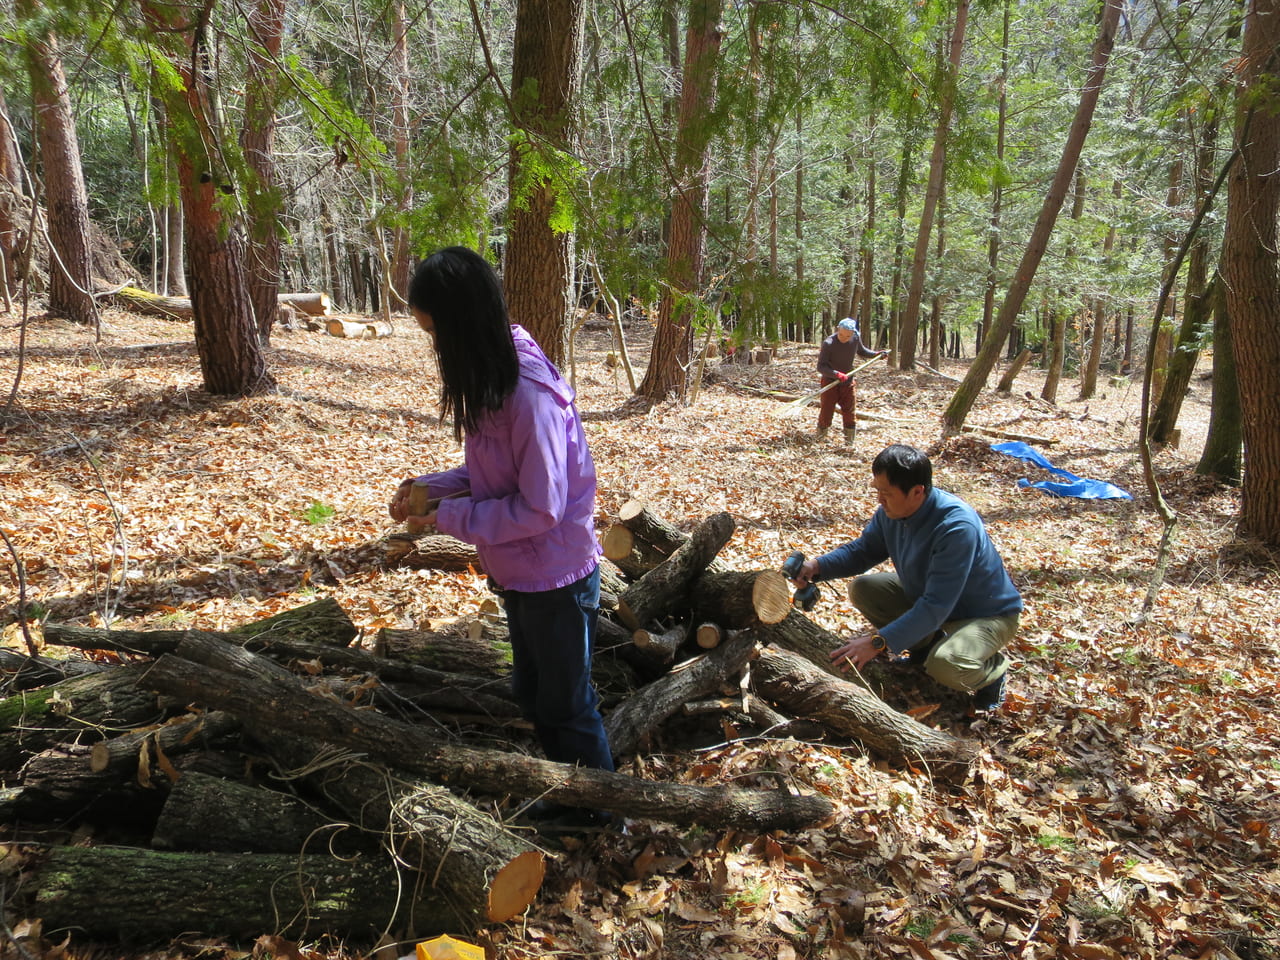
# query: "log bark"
x,y
849,710
141,896
692,680
322,622
481,871
423,551
651,528
24,672
209,814
737,599
666,588
661,646
179,308
444,651
220,675
82,708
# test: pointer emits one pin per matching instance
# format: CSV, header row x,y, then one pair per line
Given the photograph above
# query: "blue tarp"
x,y
1077,487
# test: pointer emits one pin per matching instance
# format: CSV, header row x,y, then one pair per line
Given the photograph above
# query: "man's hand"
x,y
842,377
858,652
808,570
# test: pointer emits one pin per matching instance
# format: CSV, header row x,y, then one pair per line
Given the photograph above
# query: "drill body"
x,y
807,596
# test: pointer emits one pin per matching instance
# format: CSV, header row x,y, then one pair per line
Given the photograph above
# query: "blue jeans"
x,y
552,636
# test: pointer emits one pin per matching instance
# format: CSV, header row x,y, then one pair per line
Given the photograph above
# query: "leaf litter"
x,y
1125,803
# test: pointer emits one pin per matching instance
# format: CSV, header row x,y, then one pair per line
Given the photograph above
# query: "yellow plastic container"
x,y
446,948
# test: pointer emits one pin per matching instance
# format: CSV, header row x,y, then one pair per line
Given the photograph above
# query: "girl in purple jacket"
x,y
525,495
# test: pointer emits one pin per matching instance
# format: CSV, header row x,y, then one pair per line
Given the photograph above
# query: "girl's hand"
x,y
421,524
399,506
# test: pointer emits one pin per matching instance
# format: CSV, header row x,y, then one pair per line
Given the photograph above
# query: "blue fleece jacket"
x,y
948,566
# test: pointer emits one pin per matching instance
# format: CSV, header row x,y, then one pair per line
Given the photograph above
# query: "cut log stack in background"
x,y
283,780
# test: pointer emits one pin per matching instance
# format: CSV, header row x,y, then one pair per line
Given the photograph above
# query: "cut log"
x,y
649,527
850,710
430,551
313,304
204,813
692,680
447,652
633,556
666,588
137,896
1007,435
737,599
354,328
24,672
661,646
482,871
82,708
708,635
322,622
228,677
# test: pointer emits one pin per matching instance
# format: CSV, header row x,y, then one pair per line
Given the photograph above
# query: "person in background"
x,y
525,497
836,358
949,606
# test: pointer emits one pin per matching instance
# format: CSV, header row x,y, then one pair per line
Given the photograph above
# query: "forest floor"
x,y
1126,801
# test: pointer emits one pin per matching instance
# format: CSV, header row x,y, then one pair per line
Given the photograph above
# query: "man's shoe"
x,y
989,698
849,433
821,434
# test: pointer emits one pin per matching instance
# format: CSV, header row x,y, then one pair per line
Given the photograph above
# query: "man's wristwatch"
x,y
878,644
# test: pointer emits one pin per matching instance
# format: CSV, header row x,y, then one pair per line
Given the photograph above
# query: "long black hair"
x,y
474,349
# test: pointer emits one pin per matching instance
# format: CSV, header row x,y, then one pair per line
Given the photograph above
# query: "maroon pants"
x,y
842,395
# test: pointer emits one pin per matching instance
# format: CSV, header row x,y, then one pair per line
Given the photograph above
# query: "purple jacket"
x,y
531,512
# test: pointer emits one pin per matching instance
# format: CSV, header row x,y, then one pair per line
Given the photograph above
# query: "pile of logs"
x,y
275,778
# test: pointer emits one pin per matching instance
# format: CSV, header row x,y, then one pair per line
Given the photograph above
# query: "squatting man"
x,y
949,605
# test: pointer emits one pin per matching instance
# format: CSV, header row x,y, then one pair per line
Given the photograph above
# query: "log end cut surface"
x,y
515,885
771,596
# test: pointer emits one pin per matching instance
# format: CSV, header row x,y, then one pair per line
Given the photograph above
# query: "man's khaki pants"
x,y
966,658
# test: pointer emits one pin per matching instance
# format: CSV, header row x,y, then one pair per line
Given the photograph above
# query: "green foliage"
x,y
317,513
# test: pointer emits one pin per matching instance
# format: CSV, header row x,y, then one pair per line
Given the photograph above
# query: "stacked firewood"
x,y
283,780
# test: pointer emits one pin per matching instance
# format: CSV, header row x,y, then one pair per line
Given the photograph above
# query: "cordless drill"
x,y
807,595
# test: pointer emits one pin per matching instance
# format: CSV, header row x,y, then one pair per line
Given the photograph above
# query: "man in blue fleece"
x,y
949,606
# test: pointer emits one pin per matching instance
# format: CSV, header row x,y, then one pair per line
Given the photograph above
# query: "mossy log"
x,y
147,896
217,674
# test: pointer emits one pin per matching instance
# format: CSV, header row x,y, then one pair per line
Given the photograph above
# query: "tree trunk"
x,y
538,272
266,28
231,358
1224,441
66,201
1011,372
672,345
1251,270
737,599
965,395
948,78
283,704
